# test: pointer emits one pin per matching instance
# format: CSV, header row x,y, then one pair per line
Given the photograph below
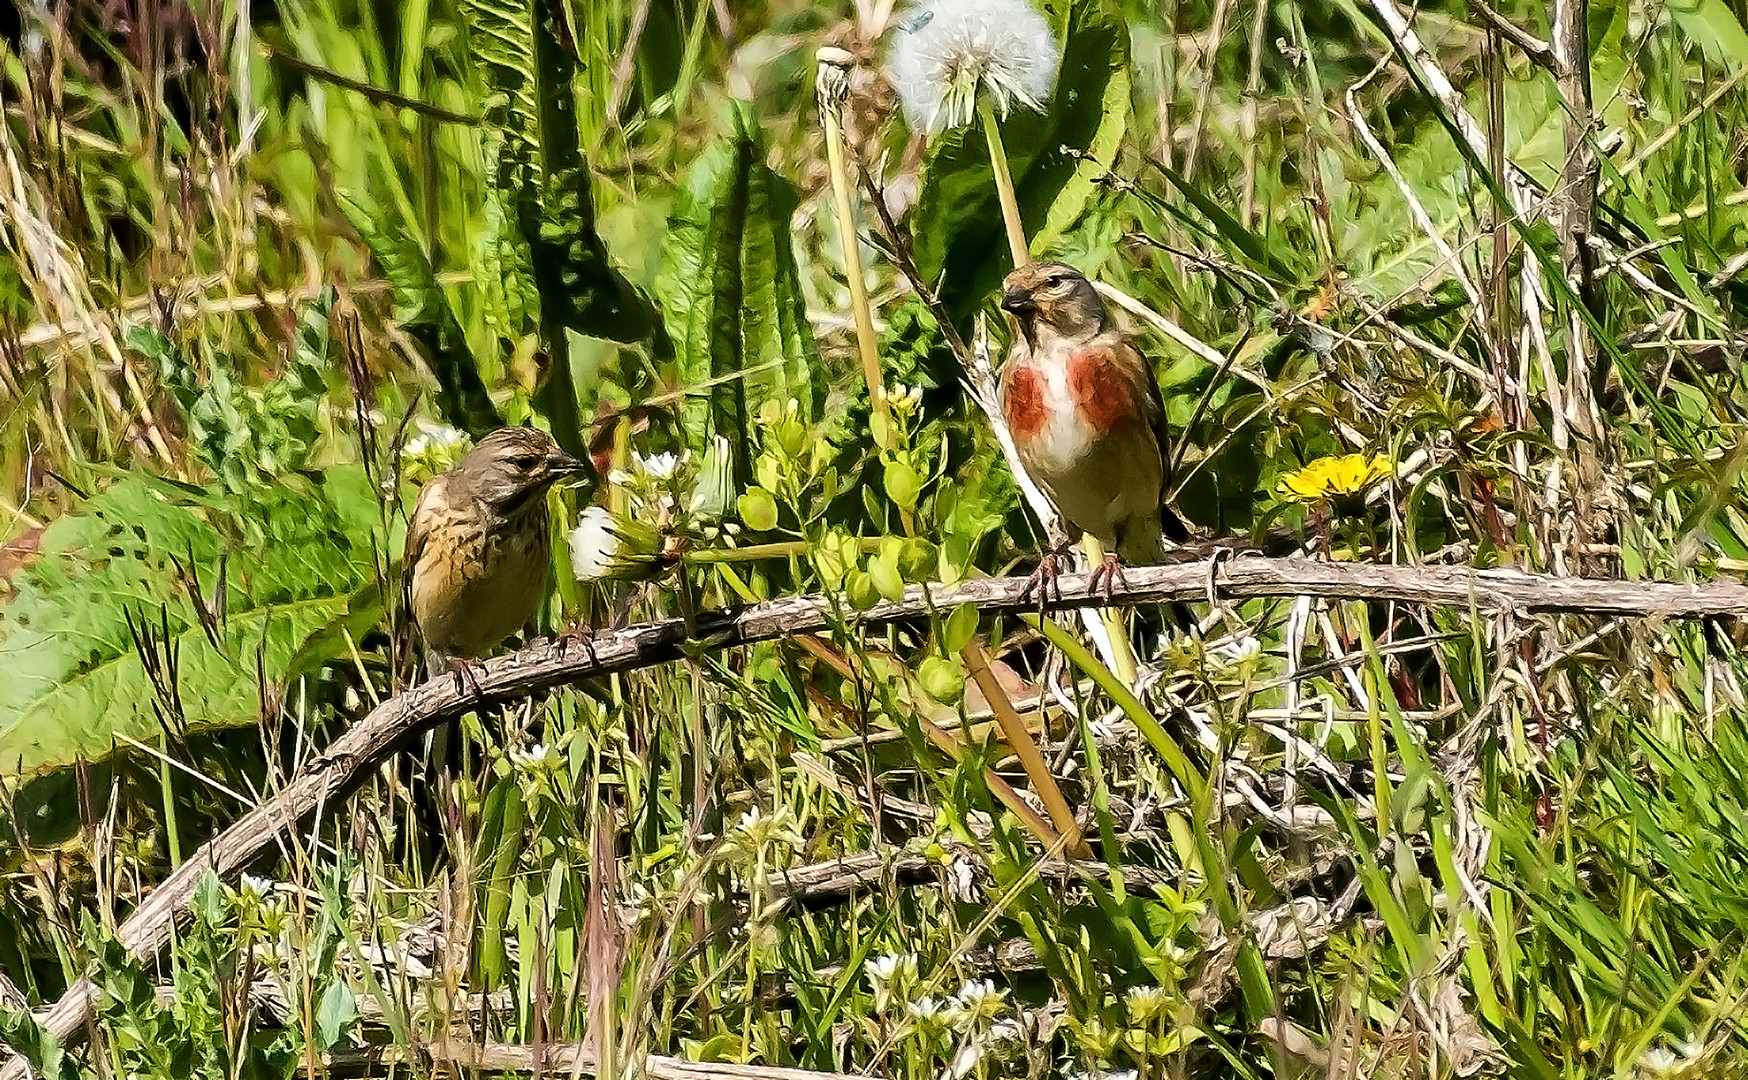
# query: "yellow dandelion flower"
x,y
1334,477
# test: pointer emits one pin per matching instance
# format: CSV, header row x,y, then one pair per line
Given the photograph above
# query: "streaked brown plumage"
x,y
1087,419
478,542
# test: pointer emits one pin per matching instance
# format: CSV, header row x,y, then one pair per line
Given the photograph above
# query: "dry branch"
x,y
539,668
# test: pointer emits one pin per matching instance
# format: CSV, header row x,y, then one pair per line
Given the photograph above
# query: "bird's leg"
x,y
1042,583
1108,575
466,676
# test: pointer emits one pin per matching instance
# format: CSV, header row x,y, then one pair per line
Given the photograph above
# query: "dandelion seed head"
x,y
603,546
949,51
594,545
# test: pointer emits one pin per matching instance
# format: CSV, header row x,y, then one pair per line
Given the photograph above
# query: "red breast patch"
x,y
1104,397
1024,402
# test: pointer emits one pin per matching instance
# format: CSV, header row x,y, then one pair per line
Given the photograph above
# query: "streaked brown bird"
x,y
478,543
1087,420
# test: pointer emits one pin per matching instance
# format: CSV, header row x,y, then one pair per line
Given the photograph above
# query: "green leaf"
x,y
247,434
883,574
1711,25
960,629
758,510
292,558
958,220
731,292
36,1045
424,313
523,55
335,1014
903,485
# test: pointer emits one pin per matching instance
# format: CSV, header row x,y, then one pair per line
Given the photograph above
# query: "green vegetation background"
x,y
261,261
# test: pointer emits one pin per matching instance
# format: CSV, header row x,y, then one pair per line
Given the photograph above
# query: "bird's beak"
x,y
559,463
1018,301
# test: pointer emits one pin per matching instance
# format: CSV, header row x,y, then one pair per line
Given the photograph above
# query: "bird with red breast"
x,y
1087,420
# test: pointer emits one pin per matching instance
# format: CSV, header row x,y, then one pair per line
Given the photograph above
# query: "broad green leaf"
x,y
292,560
958,223
335,1014
731,293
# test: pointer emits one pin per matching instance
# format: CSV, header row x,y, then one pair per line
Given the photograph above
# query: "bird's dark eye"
x,y
525,461
1054,280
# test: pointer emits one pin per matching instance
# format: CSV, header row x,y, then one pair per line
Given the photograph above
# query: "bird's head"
x,y
1053,297
512,467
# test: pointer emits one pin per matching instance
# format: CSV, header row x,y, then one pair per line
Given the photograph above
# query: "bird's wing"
x,y
419,530
1145,385
418,525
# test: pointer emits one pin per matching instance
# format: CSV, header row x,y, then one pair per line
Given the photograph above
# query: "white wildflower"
x,y
949,51
260,886
1144,1003
660,466
929,1011
1238,650
882,969
979,1001
537,758
433,438
758,830
888,975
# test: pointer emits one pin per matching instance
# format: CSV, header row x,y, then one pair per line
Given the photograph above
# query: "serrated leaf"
x,y
731,293
536,159
247,434
293,559
36,1045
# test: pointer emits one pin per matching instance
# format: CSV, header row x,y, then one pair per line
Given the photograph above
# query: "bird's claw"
x,y
575,635
1043,583
1107,576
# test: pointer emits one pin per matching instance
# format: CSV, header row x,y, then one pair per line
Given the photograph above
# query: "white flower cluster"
x,y
949,51
432,449
973,1011
1666,1063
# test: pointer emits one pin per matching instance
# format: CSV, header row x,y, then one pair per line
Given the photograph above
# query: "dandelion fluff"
x,y
594,545
946,52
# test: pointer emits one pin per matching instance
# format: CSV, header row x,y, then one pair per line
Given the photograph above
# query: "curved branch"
x,y
542,667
